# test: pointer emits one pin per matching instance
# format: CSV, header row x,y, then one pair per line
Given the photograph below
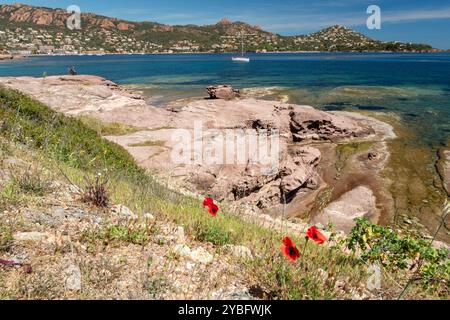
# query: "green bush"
x,y
395,252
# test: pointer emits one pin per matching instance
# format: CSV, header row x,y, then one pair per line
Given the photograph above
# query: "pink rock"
x,y
222,92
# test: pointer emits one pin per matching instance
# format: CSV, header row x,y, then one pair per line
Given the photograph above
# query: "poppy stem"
x,y
283,218
304,248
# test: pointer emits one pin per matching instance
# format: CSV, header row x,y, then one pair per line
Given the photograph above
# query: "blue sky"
x,y
403,20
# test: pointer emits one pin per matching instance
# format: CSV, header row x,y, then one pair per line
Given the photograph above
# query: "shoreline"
x,y
11,57
231,53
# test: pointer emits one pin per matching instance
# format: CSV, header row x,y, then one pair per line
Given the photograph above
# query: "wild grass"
x,y
5,237
65,139
149,143
31,180
108,129
96,192
72,147
117,234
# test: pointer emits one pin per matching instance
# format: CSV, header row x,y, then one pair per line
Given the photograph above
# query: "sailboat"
x,y
241,58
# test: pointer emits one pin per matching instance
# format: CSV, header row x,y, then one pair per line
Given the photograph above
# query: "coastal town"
x,y
27,30
30,41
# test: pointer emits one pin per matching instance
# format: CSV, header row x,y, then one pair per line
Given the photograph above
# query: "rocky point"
x,y
291,186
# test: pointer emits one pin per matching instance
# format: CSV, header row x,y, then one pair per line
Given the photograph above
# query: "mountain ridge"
x,y
31,29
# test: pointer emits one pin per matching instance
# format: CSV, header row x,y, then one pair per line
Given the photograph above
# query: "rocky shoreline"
x,y
329,162
10,57
443,168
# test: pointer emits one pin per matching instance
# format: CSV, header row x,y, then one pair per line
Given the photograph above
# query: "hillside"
x,y
42,30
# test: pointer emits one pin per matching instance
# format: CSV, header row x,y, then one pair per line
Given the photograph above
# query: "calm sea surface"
x,y
415,87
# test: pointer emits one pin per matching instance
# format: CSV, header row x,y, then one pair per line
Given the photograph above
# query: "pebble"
x,y
29,236
201,255
179,235
407,221
182,250
73,278
124,211
75,189
149,217
242,252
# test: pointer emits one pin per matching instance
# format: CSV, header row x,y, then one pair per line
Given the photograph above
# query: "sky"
x,y
401,20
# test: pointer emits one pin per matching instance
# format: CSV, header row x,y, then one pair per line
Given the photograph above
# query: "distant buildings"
x,y
36,40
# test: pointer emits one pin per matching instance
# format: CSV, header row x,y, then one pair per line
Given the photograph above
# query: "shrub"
x,y
31,180
96,192
396,253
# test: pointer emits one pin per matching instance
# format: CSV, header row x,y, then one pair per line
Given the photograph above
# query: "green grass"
x,y
66,139
108,129
5,237
31,180
149,143
118,234
69,145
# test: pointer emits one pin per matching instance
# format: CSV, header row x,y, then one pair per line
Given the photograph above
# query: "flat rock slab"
x,y
359,202
446,170
75,94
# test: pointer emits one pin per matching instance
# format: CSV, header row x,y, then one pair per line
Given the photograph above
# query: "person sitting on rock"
x,y
72,71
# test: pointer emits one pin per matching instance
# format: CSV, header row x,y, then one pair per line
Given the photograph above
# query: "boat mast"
x,y
243,34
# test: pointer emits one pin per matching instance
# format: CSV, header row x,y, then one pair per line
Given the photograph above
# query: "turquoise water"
x,y
414,87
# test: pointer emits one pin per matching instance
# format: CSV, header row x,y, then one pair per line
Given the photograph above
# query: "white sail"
x,y
241,58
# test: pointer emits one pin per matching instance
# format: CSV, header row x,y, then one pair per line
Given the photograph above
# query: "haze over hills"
x,y
28,29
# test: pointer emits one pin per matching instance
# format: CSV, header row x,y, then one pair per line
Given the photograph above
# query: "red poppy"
x,y
289,250
207,202
315,235
213,209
